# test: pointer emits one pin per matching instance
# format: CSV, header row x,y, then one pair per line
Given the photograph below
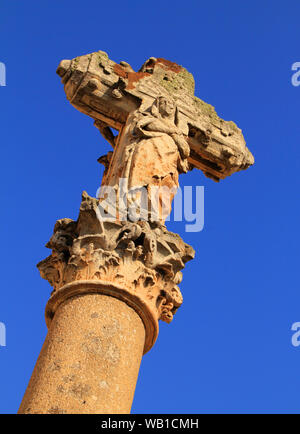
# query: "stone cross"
x,y
110,92
114,279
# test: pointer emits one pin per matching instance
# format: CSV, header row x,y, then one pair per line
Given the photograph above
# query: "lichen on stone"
x,y
103,57
209,110
75,63
176,81
205,108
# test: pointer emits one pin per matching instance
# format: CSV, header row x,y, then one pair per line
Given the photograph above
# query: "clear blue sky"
x,y
229,347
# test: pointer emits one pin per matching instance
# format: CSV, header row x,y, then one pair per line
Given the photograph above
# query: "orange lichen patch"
x,y
120,71
171,66
132,77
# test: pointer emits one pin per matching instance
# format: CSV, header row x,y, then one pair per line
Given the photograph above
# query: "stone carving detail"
x,y
109,92
151,140
150,151
142,257
163,130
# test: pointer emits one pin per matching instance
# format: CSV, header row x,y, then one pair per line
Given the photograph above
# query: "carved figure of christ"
x,y
150,152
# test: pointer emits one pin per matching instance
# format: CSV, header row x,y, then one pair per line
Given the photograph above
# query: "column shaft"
x,y
90,360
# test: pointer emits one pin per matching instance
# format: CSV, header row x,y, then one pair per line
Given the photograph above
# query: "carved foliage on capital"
x,y
143,258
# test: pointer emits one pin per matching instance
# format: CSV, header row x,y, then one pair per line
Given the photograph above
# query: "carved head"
x,y
166,107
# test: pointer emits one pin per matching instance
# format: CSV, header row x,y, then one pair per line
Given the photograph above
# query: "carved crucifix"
x,y
110,92
164,130
125,269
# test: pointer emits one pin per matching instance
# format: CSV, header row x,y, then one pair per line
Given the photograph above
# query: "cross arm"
x,y
108,92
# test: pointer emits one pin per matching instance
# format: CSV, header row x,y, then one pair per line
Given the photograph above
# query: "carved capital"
x,y
139,263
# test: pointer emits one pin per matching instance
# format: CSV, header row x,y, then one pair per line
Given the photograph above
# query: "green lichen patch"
x,y
103,57
205,108
182,80
209,110
233,126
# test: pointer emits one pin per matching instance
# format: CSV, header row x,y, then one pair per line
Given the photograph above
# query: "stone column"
x,y
112,282
90,360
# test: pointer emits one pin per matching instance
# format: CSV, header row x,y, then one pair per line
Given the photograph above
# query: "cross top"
x,y
110,92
